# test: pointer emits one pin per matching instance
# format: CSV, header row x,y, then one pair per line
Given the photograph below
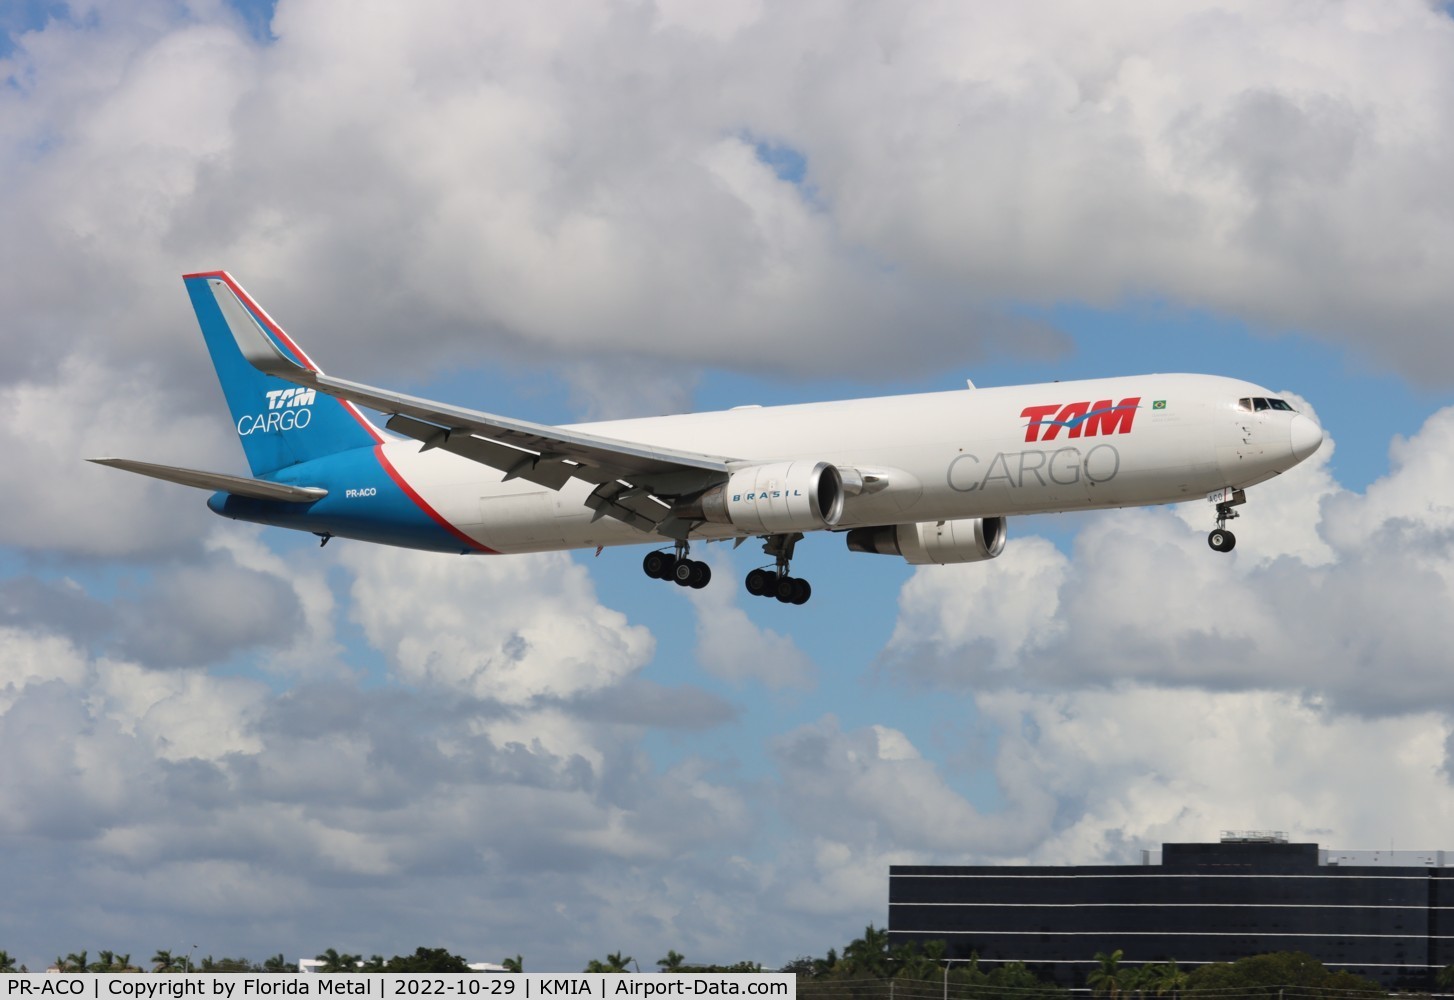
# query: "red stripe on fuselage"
x,y
423,505
299,354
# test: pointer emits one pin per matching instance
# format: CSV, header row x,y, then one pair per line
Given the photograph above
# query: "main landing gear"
x,y
677,567
661,564
777,582
1221,539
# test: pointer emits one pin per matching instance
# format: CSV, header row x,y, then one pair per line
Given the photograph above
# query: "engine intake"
x,y
969,539
772,499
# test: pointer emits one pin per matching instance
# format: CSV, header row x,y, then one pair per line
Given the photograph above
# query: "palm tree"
x,y
516,964
911,963
615,962
826,965
1167,977
672,962
1138,982
334,962
73,962
869,954
275,964
7,964
1106,980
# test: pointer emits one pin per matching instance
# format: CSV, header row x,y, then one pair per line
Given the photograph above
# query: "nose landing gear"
x,y
778,582
684,572
1220,538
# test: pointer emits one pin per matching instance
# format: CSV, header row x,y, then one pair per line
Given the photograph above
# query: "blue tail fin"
x,y
279,423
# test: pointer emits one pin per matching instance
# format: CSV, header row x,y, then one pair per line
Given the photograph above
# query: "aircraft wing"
x,y
242,486
629,476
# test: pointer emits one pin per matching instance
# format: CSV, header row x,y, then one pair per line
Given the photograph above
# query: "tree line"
x,y
861,970
924,971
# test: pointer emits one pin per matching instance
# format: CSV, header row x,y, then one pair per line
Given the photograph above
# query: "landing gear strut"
x,y
684,572
778,582
1221,539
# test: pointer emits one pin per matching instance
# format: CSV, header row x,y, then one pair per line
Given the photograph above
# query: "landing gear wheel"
x,y
762,583
701,575
681,573
657,565
778,582
1222,540
791,590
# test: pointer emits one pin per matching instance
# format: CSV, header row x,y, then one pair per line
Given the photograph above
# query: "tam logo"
x,y
1085,419
288,410
279,398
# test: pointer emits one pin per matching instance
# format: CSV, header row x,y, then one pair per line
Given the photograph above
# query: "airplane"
x,y
931,478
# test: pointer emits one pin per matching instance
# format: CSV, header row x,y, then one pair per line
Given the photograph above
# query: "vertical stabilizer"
x,y
279,423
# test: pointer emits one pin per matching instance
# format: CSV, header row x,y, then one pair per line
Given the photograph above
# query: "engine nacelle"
x,y
968,539
773,499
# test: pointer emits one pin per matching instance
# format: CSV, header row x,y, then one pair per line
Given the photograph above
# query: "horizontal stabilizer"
x,y
259,489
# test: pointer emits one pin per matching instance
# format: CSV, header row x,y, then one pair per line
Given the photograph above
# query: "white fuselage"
x,y
1026,449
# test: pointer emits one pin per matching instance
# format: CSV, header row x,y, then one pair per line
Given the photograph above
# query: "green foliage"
x,y
1163,978
913,970
516,964
1445,978
335,962
1106,978
427,960
868,957
615,962
1261,975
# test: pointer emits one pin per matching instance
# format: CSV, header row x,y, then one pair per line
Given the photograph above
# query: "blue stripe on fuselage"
x,y
363,502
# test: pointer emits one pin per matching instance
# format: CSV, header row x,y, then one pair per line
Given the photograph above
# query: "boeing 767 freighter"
x,y
930,478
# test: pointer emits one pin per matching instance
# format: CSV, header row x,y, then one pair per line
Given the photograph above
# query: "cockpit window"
x,y
1249,404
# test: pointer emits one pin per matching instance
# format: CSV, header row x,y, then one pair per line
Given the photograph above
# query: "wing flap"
x,y
514,462
259,489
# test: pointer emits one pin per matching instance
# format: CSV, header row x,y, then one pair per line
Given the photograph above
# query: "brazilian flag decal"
x,y
1160,404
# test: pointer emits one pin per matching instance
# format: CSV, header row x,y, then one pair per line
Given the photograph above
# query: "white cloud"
x,y
993,612
56,500
731,646
504,629
1136,766
204,798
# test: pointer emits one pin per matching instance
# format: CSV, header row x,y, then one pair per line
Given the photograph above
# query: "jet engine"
x,y
969,539
772,499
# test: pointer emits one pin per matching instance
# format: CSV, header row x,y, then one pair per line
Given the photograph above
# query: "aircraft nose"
x,y
1307,436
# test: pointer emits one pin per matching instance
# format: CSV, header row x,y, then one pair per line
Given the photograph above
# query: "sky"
x,y
219,739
